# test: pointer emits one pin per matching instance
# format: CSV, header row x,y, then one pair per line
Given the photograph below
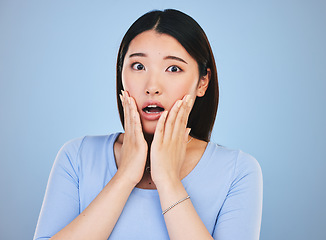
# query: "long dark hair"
x,y
193,38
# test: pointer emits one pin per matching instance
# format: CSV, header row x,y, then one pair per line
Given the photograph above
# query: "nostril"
x,y
152,92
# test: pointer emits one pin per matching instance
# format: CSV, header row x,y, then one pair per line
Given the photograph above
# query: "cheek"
x,y
178,91
127,82
132,86
187,87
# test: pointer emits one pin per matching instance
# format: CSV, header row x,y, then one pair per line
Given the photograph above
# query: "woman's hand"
x,y
134,148
168,148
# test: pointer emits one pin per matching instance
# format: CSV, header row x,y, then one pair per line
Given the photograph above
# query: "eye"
x,y
174,69
138,66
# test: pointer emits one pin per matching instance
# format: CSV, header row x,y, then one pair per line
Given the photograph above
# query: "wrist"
x,y
125,179
171,192
168,184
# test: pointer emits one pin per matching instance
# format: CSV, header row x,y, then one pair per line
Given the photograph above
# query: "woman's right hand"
x,y
134,148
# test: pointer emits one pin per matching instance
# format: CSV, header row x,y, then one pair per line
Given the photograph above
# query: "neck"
x,y
149,140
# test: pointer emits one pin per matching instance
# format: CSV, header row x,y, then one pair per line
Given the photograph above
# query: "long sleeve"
x,y
240,215
61,202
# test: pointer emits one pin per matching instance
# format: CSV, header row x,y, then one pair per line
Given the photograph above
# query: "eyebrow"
x,y
165,58
138,55
175,58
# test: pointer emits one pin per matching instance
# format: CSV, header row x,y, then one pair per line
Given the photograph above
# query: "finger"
x,y
135,123
182,118
168,130
126,111
137,128
127,96
179,128
132,110
123,108
187,132
125,115
159,130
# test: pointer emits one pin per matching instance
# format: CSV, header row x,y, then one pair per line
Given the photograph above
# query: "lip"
x,y
151,116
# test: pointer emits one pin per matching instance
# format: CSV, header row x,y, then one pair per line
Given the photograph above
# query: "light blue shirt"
x,y
225,188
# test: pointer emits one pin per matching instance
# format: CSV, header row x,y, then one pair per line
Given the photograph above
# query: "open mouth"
x,y
153,109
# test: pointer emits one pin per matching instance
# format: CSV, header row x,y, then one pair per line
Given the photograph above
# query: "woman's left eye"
x,y
174,69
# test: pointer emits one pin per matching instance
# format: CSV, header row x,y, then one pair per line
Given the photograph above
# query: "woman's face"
x,y
157,71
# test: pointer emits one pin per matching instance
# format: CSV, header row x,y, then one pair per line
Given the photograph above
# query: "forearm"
x,y
182,221
99,218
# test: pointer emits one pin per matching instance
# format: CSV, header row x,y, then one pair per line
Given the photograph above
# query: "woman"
x,y
162,178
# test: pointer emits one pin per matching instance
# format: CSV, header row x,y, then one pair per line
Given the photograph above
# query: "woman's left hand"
x,y
168,148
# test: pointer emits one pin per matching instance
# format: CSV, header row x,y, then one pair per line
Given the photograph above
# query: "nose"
x,y
153,86
152,92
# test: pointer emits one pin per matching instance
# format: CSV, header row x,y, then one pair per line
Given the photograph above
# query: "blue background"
x,y
57,82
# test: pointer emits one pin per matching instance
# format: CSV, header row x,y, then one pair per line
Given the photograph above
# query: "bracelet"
x,y
173,205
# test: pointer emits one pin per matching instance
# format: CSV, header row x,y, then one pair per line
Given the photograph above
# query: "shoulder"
x,y
85,145
88,141
81,152
239,159
238,165
246,162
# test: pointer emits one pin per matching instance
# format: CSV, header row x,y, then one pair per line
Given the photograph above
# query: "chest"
x,y
142,217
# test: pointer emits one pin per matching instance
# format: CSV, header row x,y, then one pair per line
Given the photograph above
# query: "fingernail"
x,y
188,130
122,92
179,103
187,98
121,98
190,102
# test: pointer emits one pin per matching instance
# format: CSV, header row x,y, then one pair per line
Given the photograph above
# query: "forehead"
x,y
153,43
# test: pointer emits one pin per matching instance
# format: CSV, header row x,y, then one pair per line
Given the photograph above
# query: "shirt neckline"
x,y
185,181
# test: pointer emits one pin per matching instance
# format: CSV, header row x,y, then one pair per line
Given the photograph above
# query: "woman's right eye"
x,y
138,66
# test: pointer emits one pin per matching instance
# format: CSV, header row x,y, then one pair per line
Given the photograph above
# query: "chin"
x,y
149,127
